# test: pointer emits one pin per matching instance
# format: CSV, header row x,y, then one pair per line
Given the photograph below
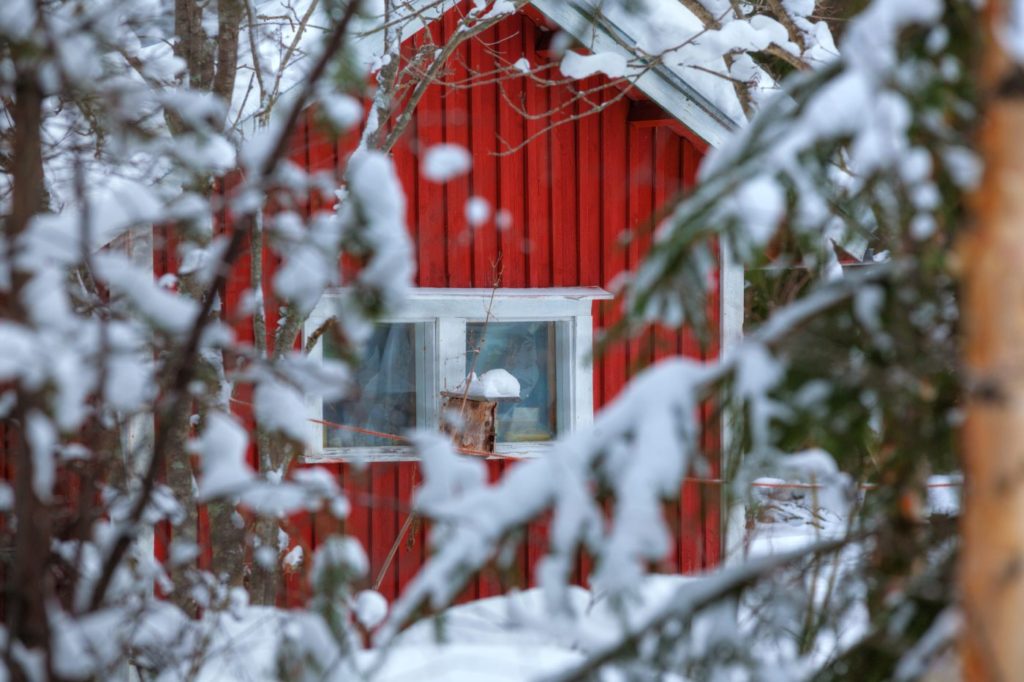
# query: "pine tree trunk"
x,y
992,561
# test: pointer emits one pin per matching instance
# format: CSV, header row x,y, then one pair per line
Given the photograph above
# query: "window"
x,y
543,337
527,350
385,399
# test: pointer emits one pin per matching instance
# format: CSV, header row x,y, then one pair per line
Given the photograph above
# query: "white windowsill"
x,y
406,453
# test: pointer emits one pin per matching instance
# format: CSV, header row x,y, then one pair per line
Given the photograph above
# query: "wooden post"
x,y
992,559
470,421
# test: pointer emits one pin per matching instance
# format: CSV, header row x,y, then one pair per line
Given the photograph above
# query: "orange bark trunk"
x,y
992,560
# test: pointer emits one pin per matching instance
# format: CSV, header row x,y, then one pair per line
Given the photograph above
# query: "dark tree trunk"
x,y
29,587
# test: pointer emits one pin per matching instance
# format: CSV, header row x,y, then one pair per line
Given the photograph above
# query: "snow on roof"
x,y
703,102
679,62
682,75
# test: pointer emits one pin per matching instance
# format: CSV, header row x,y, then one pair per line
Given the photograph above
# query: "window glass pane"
x,y
384,397
527,351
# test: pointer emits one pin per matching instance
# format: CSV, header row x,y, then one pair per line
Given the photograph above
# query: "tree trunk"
x,y
227,534
992,561
186,531
276,454
29,587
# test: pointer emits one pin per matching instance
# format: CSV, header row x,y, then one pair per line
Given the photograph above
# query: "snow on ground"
x,y
480,662
518,637
510,638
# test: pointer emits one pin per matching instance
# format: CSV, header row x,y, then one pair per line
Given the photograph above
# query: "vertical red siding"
x,y
430,228
563,225
539,181
587,223
455,100
383,520
573,207
512,164
482,122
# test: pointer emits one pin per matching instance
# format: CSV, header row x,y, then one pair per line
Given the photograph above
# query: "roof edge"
x,y
665,87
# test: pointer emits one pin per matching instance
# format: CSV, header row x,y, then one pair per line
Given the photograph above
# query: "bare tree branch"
x,y
176,394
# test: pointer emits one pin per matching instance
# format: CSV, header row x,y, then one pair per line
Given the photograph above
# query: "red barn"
x,y
560,201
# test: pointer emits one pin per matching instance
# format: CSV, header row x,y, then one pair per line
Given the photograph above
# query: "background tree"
x,y
992,535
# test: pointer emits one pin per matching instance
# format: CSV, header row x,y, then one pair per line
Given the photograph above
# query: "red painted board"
x,y
431,235
511,219
564,245
483,119
614,221
641,203
589,197
384,524
411,552
455,112
538,170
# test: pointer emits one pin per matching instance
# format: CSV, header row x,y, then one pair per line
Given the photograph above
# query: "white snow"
x,y
114,205
370,608
665,31
339,552
445,475
579,66
498,662
42,441
222,448
280,407
293,559
167,311
375,189
16,349
130,382
477,210
444,162
491,385
343,111
16,19
763,203
310,265
6,497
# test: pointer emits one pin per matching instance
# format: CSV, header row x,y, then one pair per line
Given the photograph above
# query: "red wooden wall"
x,y
574,195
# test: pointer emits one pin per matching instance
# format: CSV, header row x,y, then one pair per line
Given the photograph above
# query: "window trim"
x,y
446,312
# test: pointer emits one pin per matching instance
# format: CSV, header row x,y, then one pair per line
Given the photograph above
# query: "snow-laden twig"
x,y
690,598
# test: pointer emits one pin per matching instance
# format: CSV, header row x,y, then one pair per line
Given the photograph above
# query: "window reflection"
x,y
383,398
527,351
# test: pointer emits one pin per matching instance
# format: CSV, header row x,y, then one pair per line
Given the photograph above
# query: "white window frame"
x,y
444,314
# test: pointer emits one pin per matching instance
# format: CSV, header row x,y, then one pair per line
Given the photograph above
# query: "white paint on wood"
x,y
444,314
663,85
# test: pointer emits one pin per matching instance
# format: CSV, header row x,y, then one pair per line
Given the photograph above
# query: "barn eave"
x,y
660,83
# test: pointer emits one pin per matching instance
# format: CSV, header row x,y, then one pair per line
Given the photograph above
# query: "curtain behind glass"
x,y
384,397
